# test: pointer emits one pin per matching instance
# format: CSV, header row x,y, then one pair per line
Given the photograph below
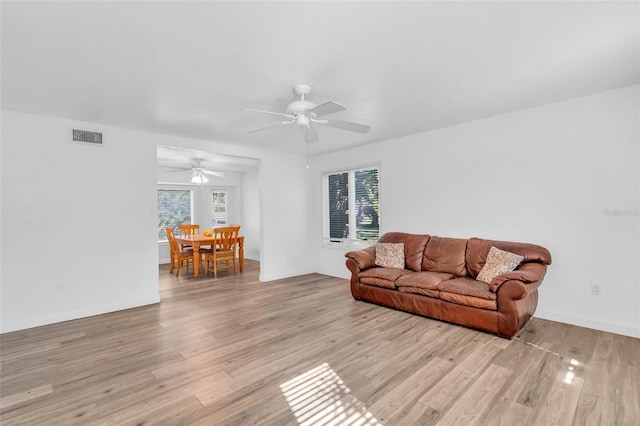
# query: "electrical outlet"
x,y
595,290
63,286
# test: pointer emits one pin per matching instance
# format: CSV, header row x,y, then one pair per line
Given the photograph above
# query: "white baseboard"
x,y
624,330
346,274
82,313
255,257
273,277
163,261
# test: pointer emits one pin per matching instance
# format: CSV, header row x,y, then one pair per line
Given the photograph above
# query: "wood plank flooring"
x,y
234,351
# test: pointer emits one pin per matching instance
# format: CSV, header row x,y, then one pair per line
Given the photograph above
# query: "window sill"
x,y
347,245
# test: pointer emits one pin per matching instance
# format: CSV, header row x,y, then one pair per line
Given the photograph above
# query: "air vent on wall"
x,y
86,137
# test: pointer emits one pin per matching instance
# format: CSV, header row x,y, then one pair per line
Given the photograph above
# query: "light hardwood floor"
x,y
234,351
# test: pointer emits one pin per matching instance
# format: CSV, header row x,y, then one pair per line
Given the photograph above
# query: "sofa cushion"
x,y
445,255
468,292
478,249
421,291
467,287
413,247
498,262
382,277
426,280
390,255
474,302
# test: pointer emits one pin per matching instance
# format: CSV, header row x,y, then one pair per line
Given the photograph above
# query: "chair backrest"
x,y
226,237
237,228
188,229
173,244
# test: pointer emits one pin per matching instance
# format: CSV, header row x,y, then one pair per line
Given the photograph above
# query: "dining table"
x,y
198,240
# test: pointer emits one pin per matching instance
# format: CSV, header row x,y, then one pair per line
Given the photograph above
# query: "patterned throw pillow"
x,y
498,262
390,255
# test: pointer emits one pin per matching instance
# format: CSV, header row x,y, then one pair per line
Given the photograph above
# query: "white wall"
x,y
77,214
285,216
564,176
87,216
251,213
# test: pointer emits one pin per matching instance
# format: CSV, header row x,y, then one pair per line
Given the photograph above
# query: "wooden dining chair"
x,y
178,255
184,230
188,229
225,250
236,227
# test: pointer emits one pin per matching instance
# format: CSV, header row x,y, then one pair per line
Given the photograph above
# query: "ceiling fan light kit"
x,y
199,178
304,114
302,120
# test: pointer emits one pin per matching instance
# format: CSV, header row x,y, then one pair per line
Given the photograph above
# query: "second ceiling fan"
x,y
198,172
305,114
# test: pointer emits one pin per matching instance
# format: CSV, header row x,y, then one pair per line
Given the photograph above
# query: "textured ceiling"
x,y
185,68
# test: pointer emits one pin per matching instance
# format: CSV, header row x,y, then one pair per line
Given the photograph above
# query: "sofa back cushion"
x,y
413,247
445,255
478,249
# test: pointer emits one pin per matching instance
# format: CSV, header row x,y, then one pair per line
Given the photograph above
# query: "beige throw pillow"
x,y
498,262
390,255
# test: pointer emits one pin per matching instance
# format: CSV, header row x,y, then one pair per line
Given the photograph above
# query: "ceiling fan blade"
x,y
268,112
346,125
209,172
326,108
177,169
270,125
310,135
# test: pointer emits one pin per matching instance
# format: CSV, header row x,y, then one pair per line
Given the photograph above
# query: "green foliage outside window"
x,y
174,208
367,205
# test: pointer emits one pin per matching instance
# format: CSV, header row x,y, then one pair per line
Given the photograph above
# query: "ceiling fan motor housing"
x,y
299,107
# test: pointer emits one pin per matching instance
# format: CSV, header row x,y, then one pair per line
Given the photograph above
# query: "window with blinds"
x,y
174,208
352,206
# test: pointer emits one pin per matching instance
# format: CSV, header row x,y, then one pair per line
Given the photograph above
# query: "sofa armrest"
x,y
365,258
528,273
358,261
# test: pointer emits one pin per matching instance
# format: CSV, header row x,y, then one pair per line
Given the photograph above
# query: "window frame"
x,y
349,242
175,188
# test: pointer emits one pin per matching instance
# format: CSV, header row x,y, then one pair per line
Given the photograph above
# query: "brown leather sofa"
x,y
438,281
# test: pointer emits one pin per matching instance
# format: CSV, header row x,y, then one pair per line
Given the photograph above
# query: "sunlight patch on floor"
x,y
319,397
568,378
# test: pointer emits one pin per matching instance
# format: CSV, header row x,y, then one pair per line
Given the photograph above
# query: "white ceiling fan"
x,y
197,172
305,114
